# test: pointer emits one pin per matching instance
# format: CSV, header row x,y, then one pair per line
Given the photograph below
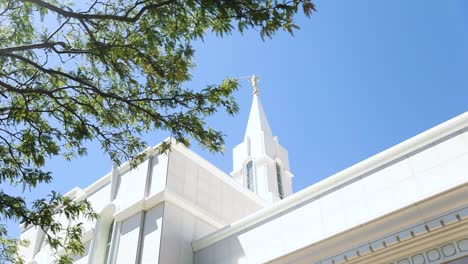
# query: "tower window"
x,y
109,242
250,181
279,181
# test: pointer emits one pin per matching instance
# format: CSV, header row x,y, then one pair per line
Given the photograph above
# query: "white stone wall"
x,y
128,239
209,189
208,200
180,228
173,198
131,185
128,187
158,174
152,235
432,170
101,197
30,234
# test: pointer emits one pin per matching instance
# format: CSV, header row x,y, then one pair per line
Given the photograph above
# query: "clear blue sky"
x,y
358,78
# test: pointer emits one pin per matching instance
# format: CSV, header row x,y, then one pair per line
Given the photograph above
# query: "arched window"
x,y
109,242
101,249
250,180
279,180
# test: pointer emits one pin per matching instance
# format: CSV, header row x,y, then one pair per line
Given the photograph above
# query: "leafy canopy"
x,y
106,70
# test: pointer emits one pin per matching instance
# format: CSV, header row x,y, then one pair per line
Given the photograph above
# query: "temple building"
x,y
405,205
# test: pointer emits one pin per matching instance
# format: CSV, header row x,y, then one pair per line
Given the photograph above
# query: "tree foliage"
x,y
107,70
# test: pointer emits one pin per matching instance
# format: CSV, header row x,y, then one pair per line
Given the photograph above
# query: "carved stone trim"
x,y
446,252
441,254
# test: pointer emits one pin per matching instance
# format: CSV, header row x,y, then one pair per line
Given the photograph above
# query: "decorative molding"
x,y
265,159
88,235
289,174
447,252
405,149
172,198
406,235
98,184
136,207
75,192
189,207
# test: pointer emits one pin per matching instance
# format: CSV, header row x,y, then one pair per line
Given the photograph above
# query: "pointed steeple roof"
x,y
260,163
257,118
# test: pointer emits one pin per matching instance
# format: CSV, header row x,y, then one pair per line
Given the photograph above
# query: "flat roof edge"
x,y
396,152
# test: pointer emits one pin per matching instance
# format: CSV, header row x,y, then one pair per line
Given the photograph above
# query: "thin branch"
x,y
58,29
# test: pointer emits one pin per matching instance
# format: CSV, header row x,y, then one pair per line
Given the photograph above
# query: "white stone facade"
x,y
406,205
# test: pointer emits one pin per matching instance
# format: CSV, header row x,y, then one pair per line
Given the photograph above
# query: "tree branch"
x,y
125,18
34,46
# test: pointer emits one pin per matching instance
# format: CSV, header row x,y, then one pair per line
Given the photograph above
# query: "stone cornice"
x,y
448,251
369,251
98,184
386,236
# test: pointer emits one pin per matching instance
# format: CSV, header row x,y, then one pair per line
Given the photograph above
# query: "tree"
x,y
106,70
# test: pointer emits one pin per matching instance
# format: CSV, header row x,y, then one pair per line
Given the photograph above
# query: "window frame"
x,y
250,181
279,181
108,245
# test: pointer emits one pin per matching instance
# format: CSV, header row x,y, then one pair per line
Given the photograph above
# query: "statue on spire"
x,y
254,84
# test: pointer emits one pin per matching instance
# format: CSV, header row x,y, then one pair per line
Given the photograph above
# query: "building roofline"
x,y
223,176
78,193
399,151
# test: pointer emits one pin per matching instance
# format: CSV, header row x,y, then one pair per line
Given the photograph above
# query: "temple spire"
x,y
258,121
260,163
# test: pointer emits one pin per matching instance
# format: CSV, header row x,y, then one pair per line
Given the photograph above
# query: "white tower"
x,y
260,163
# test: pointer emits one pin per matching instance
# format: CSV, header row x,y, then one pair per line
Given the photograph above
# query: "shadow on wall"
x,y
226,253
463,260
149,249
137,238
